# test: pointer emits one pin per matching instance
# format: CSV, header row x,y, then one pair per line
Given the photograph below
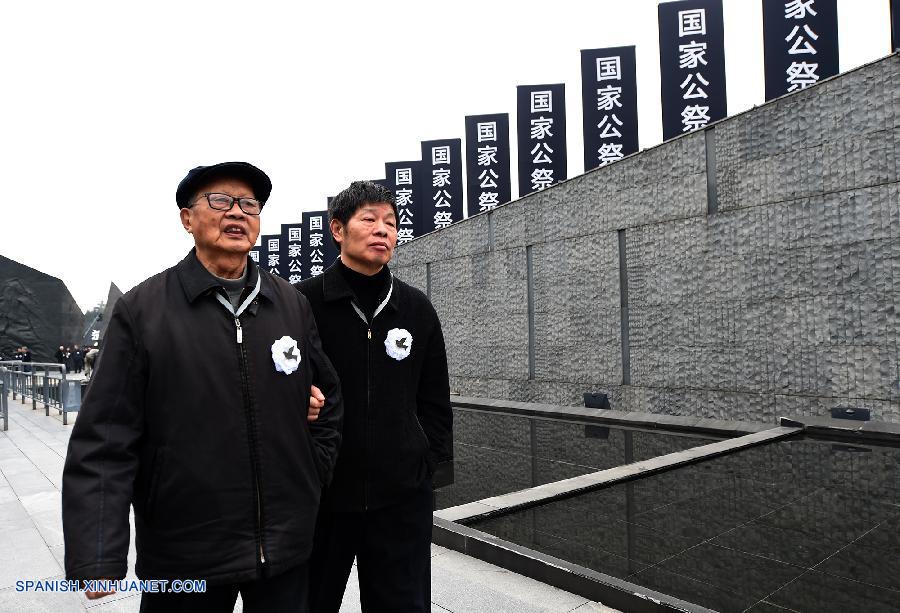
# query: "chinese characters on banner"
x,y
443,203
272,245
291,252
263,253
254,254
406,181
319,250
541,133
609,103
488,181
692,65
800,41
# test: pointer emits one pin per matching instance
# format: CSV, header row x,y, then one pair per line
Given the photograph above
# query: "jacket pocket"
x,y
314,454
419,432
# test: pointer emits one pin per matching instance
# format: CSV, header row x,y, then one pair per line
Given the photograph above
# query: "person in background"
x,y
77,358
89,361
26,358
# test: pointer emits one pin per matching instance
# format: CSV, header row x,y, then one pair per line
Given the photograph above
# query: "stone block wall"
x,y
760,277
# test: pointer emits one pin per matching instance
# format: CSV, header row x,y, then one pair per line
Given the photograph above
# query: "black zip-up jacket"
x,y
201,434
398,425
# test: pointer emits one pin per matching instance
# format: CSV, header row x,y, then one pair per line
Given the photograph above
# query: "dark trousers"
x,y
392,546
284,593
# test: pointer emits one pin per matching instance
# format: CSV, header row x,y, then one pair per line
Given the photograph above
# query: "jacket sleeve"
x,y
102,459
326,430
434,412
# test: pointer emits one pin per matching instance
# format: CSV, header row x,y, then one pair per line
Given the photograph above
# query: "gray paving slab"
x,y
7,494
464,584
14,517
42,501
49,524
59,552
40,602
31,543
131,604
593,607
25,555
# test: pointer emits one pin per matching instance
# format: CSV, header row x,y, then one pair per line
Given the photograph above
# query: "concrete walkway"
x,y
32,453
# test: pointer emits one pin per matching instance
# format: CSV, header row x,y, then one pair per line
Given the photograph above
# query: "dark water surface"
x,y
497,454
797,525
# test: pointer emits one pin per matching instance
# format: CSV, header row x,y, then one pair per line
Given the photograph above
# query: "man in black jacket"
x,y
197,416
385,340
78,358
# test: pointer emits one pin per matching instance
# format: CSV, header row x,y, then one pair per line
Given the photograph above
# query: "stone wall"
x,y
759,277
36,311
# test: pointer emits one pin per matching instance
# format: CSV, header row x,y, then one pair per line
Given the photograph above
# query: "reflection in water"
x,y
802,525
497,454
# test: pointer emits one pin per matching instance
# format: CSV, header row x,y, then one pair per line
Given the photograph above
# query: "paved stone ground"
x,y
32,452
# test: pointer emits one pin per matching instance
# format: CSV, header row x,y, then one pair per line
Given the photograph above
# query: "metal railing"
x,y
4,406
43,382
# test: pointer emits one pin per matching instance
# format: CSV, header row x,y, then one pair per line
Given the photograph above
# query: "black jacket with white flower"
x,y
201,434
398,425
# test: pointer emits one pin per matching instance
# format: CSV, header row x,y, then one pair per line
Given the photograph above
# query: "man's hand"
x,y
96,595
316,402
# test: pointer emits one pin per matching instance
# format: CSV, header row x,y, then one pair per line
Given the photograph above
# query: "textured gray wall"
x,y
779,297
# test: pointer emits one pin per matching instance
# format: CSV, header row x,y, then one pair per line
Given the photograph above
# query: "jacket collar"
x,y
335,287
196,281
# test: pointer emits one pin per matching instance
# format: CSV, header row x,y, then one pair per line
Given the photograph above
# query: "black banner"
x,y
692,65
271,246
255,254
263,253
92,336
609,103
895,26
487,162
292,252
443,204
319,250
541,133
800,40
406,181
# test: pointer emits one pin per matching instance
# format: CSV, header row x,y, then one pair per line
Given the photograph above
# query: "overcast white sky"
x,y
106,105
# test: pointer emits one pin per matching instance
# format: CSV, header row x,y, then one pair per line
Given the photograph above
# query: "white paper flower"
x,y
286,355
398,343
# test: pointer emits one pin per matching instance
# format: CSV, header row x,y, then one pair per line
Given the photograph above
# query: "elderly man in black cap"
x,y
197,416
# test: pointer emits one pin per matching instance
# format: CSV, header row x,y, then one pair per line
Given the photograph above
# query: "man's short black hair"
x,y
344,205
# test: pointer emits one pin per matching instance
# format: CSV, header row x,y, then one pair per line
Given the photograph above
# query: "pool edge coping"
x,y
610,591
565,488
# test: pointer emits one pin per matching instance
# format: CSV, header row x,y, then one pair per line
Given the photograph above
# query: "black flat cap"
x,y
197,177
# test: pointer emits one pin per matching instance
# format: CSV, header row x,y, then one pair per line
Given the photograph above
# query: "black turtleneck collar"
x,y
368,289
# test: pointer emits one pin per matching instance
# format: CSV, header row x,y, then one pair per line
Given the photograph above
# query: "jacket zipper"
x,y
369,323
250,433
368,403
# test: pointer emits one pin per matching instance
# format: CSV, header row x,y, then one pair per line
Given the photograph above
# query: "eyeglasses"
x,y
224,202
